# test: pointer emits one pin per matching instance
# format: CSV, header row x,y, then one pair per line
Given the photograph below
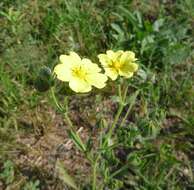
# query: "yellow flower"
x,y
81,74
118,63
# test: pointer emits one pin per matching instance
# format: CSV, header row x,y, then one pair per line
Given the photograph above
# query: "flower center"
x,y
117,65
79,72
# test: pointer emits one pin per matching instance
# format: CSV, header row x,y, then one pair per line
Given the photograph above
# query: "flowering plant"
x,y
83,75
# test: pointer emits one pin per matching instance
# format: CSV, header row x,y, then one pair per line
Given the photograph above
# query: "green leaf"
x,y
64,176
77,141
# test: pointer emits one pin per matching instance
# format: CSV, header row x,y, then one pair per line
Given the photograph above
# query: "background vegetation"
x,y
154,148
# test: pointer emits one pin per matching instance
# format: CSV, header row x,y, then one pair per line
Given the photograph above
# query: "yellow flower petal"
x,y
134,67
119,52
64,59
75,57
114,55
110,53
129,67
104,60
78,85
97,79
111,72
63,72
117,55
127,56
91,66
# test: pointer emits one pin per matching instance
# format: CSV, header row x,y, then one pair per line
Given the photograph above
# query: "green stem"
x,y
115,120
125,117
121,106
129,108
119,92
125,94
56,101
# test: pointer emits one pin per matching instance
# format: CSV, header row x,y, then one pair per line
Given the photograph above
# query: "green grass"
x,y
154,147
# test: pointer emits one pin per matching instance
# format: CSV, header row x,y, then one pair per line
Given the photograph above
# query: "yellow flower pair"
x,y
82,74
